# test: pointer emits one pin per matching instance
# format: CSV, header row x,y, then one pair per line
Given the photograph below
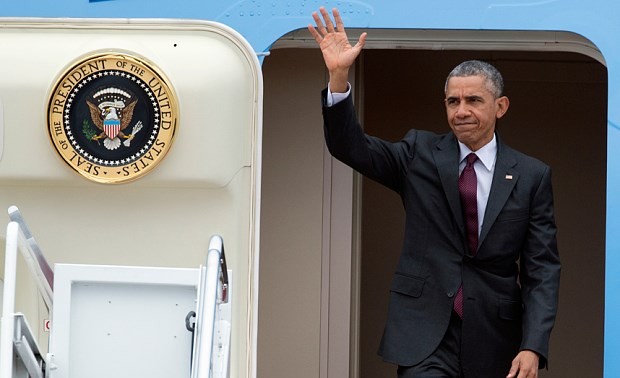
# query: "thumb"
x,y
361,42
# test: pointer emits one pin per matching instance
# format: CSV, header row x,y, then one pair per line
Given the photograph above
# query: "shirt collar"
x,y
486,154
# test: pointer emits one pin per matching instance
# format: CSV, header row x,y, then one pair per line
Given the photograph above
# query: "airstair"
x,y
117,321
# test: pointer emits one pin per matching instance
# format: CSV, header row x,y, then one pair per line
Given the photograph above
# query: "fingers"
x,y
339,23
523,374
319,23
319,26
514,368
328,21
325,25
521,368
315,34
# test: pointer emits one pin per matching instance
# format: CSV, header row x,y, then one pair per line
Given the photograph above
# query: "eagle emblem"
x,y
112,115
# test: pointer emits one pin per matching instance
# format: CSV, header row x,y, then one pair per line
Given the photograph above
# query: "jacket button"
x,y
450,294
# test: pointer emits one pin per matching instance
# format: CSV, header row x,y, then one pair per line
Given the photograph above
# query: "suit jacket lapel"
x,y
505,178
446,155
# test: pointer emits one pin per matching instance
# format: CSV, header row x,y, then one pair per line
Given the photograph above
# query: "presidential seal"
x,y
112,117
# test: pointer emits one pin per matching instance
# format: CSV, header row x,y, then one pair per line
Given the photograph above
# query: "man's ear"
x,y
502,104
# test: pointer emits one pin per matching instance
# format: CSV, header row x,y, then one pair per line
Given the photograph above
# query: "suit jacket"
x,y
510,286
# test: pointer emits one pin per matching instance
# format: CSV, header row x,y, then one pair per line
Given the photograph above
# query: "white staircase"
x,y
118,321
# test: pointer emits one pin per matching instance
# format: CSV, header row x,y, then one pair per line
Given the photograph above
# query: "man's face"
x,y
472,110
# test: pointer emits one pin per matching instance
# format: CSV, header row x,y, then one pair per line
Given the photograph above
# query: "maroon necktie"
x,y
468,189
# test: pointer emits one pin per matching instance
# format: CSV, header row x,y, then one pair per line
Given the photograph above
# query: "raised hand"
x,y
338,53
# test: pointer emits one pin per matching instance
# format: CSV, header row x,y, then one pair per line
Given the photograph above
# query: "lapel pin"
x,y
508,177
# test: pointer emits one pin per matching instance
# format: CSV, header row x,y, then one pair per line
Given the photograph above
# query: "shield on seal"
x,y
111,124
111,127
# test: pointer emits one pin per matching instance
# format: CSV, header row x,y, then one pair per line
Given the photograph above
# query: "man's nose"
x,y
462,110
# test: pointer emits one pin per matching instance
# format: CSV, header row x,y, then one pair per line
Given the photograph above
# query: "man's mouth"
x,y
464,124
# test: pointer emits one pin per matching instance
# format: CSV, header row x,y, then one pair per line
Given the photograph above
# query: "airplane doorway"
x,y
322,316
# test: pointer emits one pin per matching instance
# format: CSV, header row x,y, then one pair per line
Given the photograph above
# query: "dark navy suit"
x,y
510,286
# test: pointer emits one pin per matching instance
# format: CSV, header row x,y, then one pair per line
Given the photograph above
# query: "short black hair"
x,y
494,79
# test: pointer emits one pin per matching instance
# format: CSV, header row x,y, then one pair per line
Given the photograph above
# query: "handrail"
x,y
15,336
217,243
8,306
40,268
213,278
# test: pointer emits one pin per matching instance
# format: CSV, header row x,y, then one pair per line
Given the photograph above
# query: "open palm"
x,y
338,53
